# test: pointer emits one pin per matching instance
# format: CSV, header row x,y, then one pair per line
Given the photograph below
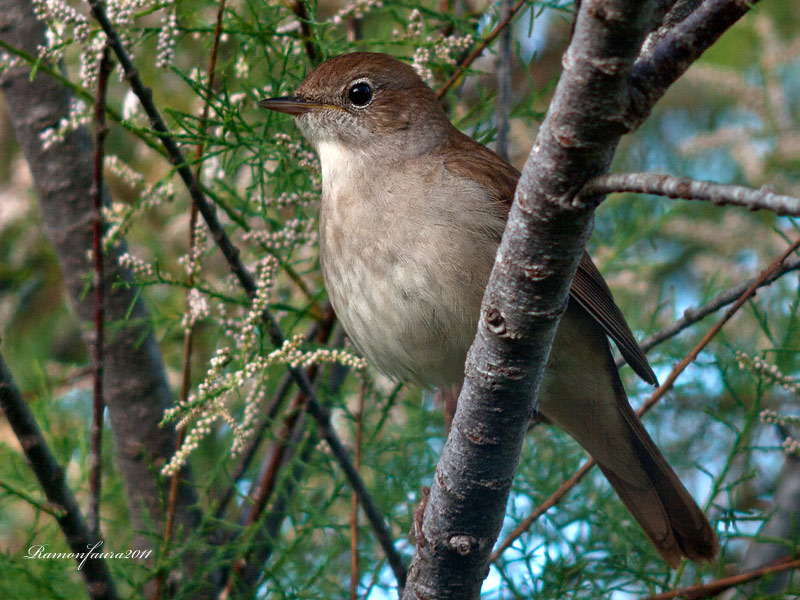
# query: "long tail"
x,y
663,507
582,394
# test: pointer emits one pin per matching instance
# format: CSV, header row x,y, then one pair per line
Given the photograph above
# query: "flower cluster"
x,y
191,261
246,337
136,265
445,49
252,405
296,153
211,401
355,10
768,372
79,115
8,61
119,215
294,232
791,446
61,21
448,48
167,38
197,309
290,354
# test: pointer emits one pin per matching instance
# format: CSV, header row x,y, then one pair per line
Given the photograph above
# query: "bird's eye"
x,y
360,94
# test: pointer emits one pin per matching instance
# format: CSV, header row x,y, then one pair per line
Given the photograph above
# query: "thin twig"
x,y
320,413
653,400
693,315
693,189
279,455
99,584
359,418
480,48
503,68
186,370
98,404
715,588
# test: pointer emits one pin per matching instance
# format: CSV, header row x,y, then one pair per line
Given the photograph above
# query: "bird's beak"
x,y
291,105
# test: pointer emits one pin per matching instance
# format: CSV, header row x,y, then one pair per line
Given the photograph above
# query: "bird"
x,y
412,212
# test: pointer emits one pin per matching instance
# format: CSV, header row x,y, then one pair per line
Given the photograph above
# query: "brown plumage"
x,y
412,213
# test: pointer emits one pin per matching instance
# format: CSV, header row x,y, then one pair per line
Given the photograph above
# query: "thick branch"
x,y
95,572
692,189
543,242
662,62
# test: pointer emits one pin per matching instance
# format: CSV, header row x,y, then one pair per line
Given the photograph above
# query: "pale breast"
x,y
406,275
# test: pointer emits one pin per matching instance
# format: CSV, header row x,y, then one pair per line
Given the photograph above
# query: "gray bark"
x,y
606,90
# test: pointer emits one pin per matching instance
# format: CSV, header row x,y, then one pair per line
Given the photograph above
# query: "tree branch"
x,y
527,293
662,62
692,189
99,584
98,404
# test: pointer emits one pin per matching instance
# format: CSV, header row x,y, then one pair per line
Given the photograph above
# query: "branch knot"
x,y
464,545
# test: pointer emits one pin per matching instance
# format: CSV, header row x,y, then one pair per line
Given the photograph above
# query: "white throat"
x,y
342,167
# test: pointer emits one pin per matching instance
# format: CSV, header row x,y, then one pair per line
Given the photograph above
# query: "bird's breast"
x,y
405,283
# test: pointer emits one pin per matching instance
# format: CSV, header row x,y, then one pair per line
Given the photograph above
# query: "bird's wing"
x,y
589,289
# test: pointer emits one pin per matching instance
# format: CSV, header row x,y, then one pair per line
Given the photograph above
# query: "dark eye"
x,y
360,94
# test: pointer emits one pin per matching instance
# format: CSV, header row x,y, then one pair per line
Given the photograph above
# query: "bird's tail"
x,y
659,501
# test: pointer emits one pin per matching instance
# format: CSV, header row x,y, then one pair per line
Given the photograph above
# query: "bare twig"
x,y
503,69
484,43
693,315
748,293
359,418
693,189
98,404
99,584
186,369
320,413
715,588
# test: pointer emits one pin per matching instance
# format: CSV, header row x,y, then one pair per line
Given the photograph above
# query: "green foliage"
x,y
660,256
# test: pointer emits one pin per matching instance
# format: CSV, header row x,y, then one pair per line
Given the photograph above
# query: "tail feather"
x,y
582,394
690,533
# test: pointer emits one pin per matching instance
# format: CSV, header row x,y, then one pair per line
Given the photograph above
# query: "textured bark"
x,y
527,293
136,388
94,570
606,90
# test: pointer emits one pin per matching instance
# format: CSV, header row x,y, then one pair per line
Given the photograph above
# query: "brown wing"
x,y
482,166
589,289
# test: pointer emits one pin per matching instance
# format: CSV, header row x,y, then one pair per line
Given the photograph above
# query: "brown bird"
x,y
412,214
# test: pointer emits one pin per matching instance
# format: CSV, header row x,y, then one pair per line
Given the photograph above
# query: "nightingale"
x,y
412,214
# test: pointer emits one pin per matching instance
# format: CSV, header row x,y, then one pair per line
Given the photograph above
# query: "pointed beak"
x,y
291,105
